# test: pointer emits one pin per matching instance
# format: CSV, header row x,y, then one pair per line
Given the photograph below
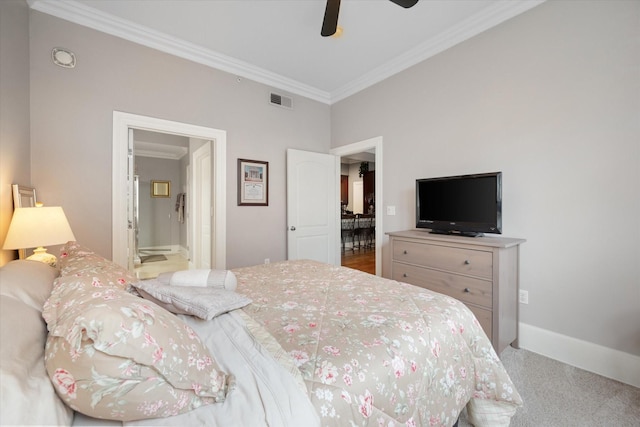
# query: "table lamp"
x,y
38,227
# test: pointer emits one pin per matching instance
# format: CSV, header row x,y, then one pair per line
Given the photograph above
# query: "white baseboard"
x,y
610,363
157,249
166,249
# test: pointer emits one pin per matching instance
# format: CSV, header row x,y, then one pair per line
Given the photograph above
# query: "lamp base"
x,y
41,254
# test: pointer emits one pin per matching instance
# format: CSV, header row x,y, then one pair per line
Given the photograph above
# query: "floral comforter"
x,y
375,352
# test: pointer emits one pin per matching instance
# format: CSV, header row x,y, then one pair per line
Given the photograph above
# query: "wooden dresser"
x,y
482,272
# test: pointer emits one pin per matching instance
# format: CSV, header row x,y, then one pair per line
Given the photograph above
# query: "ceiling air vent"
x,y
280,101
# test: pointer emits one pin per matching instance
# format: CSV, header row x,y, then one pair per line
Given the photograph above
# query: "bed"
x,y
302,343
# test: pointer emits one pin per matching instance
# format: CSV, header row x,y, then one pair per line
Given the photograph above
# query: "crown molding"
x,y
159,151
466,29
79,13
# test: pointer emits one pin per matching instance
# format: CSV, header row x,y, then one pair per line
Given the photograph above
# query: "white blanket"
x,y
264,395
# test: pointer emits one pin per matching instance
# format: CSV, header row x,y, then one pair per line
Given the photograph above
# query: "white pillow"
x,y
26,393
30,282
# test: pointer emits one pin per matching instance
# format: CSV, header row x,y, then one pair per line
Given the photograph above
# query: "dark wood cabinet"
x,y
344,189
369,190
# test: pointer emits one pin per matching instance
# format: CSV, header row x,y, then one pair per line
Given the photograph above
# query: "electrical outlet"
x,y
524,297
267,260
391,210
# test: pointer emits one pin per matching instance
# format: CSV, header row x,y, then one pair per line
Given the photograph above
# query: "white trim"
x,y
159,151
359,147
161,250
608,362
122,122
79,13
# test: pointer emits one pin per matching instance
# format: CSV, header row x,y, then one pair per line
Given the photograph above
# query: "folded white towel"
x,y
221,279
205,302
190,278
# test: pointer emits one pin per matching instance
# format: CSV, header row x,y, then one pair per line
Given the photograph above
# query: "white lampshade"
x,y
37,227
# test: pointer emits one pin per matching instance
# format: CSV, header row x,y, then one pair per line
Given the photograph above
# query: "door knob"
x,y
293,228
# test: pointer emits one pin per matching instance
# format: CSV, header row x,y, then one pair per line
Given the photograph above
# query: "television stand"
x,y
457,233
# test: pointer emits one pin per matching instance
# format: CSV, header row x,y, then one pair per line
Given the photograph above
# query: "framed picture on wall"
x,y
23,197
160,188
253,183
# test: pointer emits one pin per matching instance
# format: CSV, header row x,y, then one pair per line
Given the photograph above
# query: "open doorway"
x,y
123,183
361,209
358,202
171,229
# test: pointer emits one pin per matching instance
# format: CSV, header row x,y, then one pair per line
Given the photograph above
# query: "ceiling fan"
x,y
330,22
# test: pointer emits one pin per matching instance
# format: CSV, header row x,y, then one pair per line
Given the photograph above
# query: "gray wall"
x,y
15,165
552,99
160,226
71,129
158,221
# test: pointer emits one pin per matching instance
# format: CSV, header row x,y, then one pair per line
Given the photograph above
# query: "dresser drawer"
x,y
466,289
458,260
481,272
484,318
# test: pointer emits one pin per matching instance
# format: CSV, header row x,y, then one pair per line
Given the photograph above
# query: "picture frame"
x,y
160,188
253,183
23,197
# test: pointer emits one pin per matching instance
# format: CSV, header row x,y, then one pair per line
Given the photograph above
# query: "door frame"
x,y
354,148
121,193
199,212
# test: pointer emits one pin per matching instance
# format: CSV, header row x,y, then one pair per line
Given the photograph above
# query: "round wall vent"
x,y
63,57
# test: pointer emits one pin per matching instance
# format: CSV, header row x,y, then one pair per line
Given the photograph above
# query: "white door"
x,y
201,204
187,214
136,219
312,206
132,205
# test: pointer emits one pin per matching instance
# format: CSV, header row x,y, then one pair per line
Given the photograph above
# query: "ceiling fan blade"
x,y
405,3
330,22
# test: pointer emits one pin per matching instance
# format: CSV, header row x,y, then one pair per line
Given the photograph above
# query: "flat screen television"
x,y
469,205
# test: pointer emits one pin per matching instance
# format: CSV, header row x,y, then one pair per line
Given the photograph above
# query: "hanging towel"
x,y
180,201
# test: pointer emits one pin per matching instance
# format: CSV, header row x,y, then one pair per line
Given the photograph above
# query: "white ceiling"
x,y
278,42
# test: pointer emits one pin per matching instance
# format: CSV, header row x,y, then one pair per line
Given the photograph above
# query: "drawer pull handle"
x,y
467,290
405,252
404,275
467,262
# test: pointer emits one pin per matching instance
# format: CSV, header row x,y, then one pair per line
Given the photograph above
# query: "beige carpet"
x,y
559,395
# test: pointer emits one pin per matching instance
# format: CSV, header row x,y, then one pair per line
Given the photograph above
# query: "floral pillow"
x,y
113,355
78,261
